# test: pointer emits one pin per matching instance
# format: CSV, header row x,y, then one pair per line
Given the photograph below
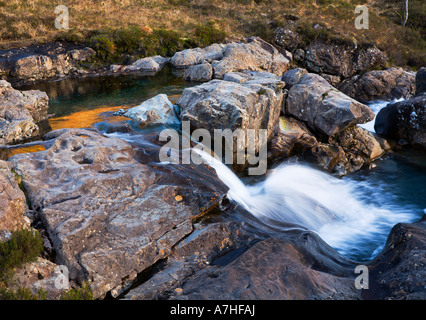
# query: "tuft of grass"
x,y
82,293
22,293
23,246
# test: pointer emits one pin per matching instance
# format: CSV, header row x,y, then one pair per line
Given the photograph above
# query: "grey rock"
x,y
323,108
389,84
421,81
200,72
190,57
293,76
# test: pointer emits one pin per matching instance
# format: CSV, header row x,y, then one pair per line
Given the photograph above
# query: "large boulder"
x,y
13,205
199,72
218,104
235,260
108,216
153,111
399,271
389,84
148,64
255,55
33,67
20,111
323,108
341,60
190,57
404,122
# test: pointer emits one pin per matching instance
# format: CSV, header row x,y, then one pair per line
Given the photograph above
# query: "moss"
x,y
82,293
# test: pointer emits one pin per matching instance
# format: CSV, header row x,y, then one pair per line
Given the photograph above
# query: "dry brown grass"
x,y
34,19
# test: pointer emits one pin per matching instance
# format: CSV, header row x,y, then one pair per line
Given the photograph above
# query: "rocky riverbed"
x,y
133,227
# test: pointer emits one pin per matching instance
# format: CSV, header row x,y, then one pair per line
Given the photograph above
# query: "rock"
x,y
332,80
256,55
324,109
234,260
155,110
218,104
149,64
13,205
332,158
286,38
40,274
33,67
190,57
19,113
421,81
359,141
404,122
84,54
340,60
299,55
399,271
293,76
108,216
389,84
294,138
200,72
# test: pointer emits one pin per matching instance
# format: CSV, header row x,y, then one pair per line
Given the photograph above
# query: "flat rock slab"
x,y
108,216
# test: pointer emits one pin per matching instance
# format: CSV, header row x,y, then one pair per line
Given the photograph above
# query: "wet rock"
x,y
108,216
13,204
200,72
389,84
294,138
190,57
399,271
19,113
340,60
235,260
256,55
421,81
323,108
404,122
155,110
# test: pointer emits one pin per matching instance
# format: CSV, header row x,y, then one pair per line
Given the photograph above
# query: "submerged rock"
x,y
108,216
19,113
323,108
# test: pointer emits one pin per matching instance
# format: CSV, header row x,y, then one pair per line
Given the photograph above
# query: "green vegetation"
x,y
22,293
82,293
23,246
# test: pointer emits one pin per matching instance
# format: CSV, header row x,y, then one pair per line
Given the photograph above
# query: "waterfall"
x,y
339,210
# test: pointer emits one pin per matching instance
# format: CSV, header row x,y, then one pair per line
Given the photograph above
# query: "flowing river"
x,y
353,214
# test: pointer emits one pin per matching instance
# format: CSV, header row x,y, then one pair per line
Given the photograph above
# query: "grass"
x,y
118,28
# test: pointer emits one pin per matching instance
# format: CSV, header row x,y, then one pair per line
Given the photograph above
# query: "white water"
x,y
376,106
337,209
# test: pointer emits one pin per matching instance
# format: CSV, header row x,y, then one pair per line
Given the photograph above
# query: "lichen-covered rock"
x,y
19,113
200,72
255,55
190,57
